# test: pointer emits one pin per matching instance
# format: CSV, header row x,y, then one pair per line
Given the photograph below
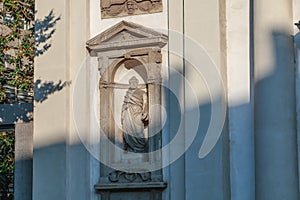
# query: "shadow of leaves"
x,y
43,90
44,30
13,113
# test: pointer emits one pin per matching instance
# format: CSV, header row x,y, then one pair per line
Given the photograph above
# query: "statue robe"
x,y
133,120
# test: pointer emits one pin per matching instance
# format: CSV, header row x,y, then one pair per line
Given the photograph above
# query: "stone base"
x,y
132,191
128,157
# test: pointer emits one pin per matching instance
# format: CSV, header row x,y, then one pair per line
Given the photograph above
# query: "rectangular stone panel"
x,y
121,8
137,195
129,195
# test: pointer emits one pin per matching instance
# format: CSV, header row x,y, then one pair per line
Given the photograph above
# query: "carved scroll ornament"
x,y
119,176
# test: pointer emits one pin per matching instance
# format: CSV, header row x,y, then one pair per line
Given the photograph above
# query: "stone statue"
x,y
134,118
131,7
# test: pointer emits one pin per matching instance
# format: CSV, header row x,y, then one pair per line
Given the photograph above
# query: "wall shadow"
x,y
190,177
297,61
44,30
61,162
275,125
275,139
42,90
22,112
13,113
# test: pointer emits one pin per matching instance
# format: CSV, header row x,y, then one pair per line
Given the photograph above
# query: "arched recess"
x,y
130,143
119,74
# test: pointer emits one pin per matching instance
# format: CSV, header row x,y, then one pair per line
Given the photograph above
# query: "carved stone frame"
x,y
131,44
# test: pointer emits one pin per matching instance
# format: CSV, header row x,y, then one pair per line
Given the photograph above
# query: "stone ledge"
x,y
126,186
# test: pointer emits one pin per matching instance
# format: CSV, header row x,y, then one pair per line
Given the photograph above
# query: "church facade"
x,y
167,100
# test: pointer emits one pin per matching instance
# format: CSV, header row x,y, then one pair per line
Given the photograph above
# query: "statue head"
x,y
133,82
130,6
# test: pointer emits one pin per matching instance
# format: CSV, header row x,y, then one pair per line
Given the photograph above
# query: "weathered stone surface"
x,y
120,8
23,161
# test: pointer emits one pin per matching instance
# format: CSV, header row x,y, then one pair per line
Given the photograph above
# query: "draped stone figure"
x,y
134,118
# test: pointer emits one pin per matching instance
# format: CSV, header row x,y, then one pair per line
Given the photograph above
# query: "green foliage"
x,y
16,45
16,72
7,141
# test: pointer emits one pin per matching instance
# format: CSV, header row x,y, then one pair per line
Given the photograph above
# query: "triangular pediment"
x,y
126,35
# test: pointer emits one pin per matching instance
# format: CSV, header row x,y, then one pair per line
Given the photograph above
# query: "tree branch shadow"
x,y
13,112
43,90
44,30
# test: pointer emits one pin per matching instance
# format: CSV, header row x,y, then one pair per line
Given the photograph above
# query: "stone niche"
x,y
129,63
121,8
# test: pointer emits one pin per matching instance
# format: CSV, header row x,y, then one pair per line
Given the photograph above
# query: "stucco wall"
x,y
211,59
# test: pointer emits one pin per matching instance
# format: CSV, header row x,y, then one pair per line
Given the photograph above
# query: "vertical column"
x,y
240,109
105,110
154,92
51,117
275,119
23,161
297,54
297,63
77,154
177,182
203,60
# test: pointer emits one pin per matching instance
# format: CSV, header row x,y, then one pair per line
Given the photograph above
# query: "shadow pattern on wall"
x,y
44,30
21,111
42,90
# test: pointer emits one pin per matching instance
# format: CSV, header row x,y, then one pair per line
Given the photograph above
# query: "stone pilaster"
x,y
275,117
